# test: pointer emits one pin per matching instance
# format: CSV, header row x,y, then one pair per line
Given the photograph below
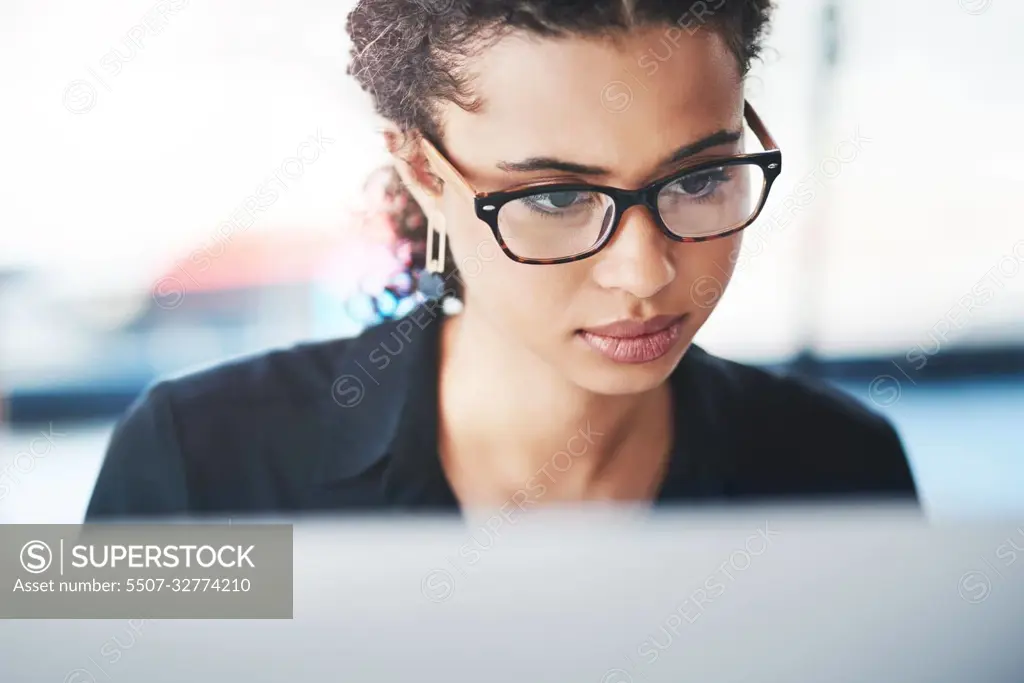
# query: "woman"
x,y
577,176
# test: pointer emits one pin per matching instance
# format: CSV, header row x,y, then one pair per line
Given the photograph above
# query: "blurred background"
x,y
186,183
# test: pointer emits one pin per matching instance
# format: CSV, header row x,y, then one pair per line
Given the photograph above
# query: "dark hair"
x,y
408,54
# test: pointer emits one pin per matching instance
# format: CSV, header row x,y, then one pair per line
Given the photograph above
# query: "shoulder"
x,y
800,435
246,434
297,375
777,398
273,378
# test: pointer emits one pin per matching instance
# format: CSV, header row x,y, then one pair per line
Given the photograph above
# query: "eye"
x,y
699,185
556,201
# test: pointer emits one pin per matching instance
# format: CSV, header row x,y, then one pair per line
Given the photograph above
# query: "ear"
x,y
413,168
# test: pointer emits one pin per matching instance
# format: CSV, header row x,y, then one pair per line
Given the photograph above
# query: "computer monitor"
x,y
760,593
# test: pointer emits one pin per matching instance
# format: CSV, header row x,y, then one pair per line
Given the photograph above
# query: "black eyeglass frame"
x,y
489,204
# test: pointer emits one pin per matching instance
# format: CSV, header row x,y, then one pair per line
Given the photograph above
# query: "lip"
x,y
631,329
635,341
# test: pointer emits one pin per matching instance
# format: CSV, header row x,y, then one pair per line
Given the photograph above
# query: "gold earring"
x,y
430,282
436,236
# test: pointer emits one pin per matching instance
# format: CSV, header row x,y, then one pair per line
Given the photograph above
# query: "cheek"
x,y
499,284
723,254
506,288
707,268
714,257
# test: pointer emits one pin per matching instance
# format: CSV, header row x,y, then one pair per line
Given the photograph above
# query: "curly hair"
x,y
409,55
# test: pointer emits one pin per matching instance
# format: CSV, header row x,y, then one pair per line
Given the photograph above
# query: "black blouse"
x,y
351,426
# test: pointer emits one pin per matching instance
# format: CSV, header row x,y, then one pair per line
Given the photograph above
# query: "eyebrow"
x,y
552,164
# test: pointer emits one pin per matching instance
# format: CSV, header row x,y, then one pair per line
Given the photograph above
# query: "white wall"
x,y
116,173
922,213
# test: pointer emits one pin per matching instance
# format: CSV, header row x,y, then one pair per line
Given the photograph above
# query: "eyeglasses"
x,y
562,222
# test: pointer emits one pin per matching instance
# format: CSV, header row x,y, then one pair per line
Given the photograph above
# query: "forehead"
x,y
622,105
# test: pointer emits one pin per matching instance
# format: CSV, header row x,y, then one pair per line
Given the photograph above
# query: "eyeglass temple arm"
x,y
440,160
757,125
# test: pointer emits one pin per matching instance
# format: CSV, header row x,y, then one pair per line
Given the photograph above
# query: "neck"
x,y
508,417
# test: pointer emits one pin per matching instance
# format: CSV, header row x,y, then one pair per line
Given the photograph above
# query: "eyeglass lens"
x,y
562,224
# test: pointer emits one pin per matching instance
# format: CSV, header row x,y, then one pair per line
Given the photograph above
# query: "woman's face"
x,y
614,108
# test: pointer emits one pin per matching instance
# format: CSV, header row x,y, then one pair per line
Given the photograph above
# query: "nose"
x,y
637,260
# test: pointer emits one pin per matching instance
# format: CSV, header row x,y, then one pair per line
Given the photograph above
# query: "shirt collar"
x,y
395,367
386,385
703,456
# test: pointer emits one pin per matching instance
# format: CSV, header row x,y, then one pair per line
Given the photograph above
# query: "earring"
x,y
430,282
